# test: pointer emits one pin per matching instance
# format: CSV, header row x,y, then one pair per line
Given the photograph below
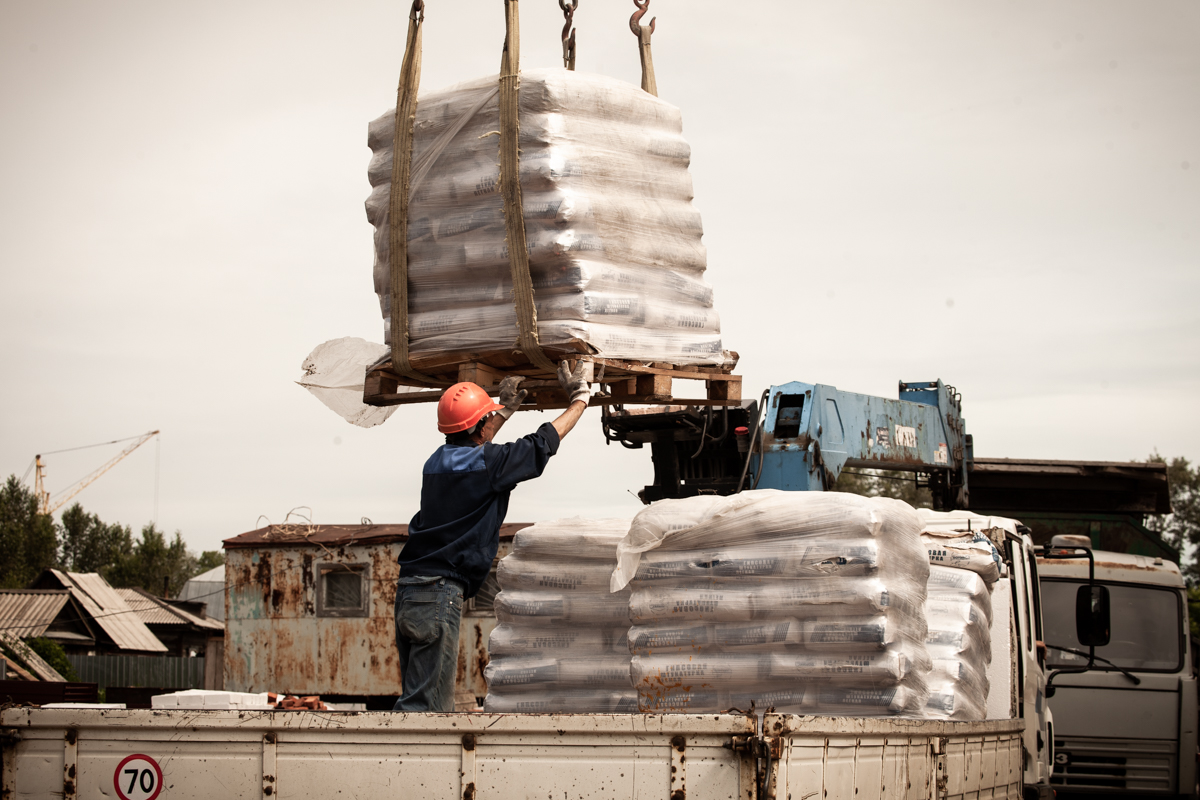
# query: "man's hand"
x,y
511,397
573,383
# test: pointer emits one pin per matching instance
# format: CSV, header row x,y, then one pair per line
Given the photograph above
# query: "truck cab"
x,y
1125,723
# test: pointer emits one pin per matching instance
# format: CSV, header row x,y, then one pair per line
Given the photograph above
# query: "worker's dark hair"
x,y
463,438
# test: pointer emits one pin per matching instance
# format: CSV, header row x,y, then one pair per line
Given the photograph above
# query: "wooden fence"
x,y
166,672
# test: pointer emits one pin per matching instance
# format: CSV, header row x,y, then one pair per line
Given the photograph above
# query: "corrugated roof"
x,y
32,660
156,611
110,611
28,612
298,535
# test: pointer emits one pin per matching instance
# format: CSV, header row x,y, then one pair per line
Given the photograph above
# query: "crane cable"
x,y
81,484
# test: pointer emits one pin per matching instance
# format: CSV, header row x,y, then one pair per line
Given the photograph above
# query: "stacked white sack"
x,y
964,565
806,602
560,644
613,238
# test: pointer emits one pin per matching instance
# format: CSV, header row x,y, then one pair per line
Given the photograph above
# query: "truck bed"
x,y
88,753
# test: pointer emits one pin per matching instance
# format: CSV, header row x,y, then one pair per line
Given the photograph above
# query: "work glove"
x,y
511,397
573,383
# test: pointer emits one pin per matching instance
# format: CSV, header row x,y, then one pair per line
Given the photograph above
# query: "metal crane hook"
x,y
635,22
568,33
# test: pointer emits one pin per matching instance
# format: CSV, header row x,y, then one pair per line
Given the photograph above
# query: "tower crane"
x,y
48,506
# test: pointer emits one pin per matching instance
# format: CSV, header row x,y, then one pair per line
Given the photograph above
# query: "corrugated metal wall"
x,y
156,671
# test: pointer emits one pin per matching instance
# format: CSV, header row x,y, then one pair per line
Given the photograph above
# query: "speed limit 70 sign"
x,y
138,777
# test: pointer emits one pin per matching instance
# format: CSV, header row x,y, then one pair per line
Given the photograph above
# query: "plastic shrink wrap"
x,y
613,238
562,642
802,601
958,609
960,540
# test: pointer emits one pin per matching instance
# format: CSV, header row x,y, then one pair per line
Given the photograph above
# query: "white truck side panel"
x,y
873,759
1002,672
74,753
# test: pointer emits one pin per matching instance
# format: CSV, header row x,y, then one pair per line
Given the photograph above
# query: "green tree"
x,y
87,544
54,655
884,483
208,560
28,541
1181,528
154,563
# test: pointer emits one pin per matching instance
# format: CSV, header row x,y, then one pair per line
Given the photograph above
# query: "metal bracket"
x,y
941,786
70,764
269,764
468,778
678,768
766,752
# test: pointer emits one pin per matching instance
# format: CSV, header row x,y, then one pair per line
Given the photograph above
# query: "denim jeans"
x,y
428,613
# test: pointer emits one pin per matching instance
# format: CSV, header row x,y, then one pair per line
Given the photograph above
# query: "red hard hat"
x,y
462,405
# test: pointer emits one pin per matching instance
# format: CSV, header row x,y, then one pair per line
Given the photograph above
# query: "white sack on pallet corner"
x,y
335,372
745,518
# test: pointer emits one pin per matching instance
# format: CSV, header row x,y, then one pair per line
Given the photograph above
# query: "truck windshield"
x,y
1145,626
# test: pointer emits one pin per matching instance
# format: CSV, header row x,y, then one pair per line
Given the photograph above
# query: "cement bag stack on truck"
x,y
560,645
613,238
807,602
964,565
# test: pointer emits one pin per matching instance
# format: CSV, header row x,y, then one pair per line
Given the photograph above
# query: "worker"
x,y
452,540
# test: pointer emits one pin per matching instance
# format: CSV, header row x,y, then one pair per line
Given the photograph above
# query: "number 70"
x,y
140,778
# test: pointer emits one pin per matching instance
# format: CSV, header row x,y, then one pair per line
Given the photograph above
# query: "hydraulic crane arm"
x,y
810,432
801,439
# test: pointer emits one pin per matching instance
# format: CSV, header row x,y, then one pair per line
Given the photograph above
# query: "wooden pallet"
x,y
619,382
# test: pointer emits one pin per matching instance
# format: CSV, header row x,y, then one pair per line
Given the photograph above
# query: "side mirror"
x,y
1092,626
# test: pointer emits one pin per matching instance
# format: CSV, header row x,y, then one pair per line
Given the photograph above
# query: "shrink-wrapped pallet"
x,y
964,565
958,611
806,602
562,642
614,244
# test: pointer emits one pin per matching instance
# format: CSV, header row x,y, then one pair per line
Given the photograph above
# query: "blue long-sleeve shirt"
x,y
464,499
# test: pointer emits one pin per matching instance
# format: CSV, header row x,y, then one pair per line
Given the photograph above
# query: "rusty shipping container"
x,y
309,610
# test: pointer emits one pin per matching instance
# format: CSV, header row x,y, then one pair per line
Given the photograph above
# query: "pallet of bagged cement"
x,y
561,644
809,603
614,242
964,565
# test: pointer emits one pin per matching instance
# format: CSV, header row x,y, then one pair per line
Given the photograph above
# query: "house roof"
x,y
107,608
207,588
25,613
292,535
156,611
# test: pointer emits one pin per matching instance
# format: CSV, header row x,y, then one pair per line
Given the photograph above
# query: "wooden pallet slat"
x,y
616,381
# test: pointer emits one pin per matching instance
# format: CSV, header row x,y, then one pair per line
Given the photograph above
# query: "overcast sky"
x,y
1005,196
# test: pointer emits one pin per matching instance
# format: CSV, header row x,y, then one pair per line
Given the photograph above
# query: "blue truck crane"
x,y
799,437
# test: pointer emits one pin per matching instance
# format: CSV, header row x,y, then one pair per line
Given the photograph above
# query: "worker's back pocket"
x,y
419,614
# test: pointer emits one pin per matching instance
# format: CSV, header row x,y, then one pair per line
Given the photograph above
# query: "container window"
x,y
342,590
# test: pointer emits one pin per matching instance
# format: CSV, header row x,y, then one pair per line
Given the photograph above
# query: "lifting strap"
x,y
402,146
510,190
644,32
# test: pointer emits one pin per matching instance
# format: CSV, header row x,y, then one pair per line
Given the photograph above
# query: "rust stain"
x,y
262,577
481,654
460,673
307,581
